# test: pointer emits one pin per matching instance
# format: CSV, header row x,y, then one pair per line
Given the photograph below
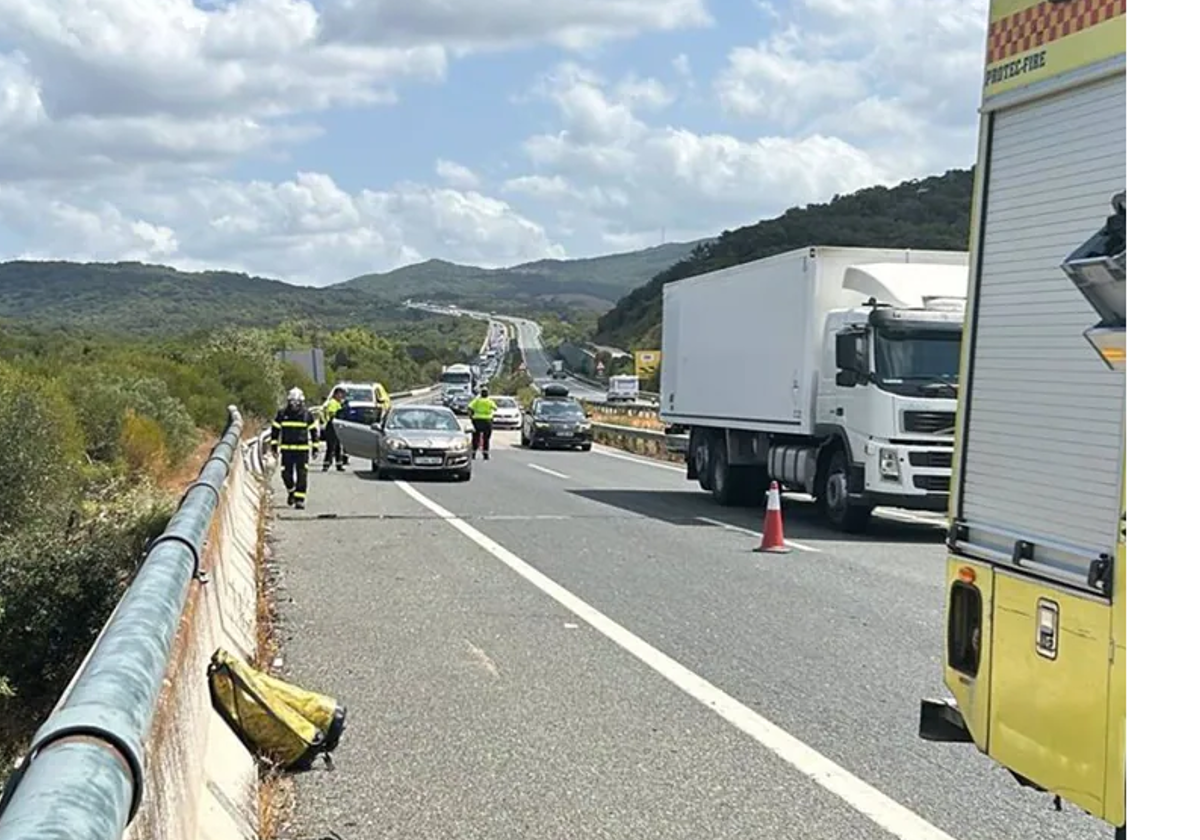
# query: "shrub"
x,y
58,587
106,400
143,446
41,474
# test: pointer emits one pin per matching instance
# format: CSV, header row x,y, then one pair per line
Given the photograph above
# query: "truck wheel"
x,y
1120,835
722,479
835,497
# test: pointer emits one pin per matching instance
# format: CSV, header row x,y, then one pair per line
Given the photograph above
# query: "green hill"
x,y
932,213
595,283
140,299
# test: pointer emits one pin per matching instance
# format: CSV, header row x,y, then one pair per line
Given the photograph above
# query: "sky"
x,y
315,140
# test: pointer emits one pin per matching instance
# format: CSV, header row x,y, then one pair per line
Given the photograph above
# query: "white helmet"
x,y
295,396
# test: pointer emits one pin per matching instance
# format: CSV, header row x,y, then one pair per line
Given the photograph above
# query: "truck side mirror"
x,y
850,352
846,379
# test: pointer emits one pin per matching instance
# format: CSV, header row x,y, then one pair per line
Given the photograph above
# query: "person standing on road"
x,y
482,409
333,444
294,440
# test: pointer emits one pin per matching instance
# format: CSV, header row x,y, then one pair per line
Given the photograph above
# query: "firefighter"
x,y
294,440
482,409
333,445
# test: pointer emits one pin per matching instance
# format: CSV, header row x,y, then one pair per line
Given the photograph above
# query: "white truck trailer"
x,y
831,370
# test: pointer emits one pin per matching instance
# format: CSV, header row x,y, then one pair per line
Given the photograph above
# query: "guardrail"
x,y
84,775
650,442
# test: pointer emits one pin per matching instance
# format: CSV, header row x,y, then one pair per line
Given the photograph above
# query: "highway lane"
x,y
836,645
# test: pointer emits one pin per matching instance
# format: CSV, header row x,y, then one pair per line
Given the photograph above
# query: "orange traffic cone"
x,y
772,538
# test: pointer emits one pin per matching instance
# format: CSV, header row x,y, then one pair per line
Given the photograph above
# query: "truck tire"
x,y
1120,835
741,486
834,498
721,478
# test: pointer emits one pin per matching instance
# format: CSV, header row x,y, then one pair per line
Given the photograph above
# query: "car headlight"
x,y
542,425
459,445
397,443
889,463
585,426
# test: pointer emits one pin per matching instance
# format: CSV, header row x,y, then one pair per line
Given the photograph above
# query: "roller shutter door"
x,y
1041,456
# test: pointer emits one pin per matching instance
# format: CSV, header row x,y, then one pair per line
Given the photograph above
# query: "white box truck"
x,y
623,387
831,370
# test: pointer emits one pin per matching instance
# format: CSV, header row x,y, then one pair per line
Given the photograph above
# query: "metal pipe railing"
x,y
83,777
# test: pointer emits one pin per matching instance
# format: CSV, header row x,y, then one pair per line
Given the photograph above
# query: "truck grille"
x,y
932,483
929,422
931,459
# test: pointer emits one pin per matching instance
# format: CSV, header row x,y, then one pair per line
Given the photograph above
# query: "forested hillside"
x,y
594,283
929,213
139,299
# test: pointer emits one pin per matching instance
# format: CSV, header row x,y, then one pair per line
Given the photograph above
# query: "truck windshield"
x,y
908,355
456,378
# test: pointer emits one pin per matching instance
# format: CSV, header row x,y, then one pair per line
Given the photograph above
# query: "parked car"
x,y
555,419
508,413
411,439
365,402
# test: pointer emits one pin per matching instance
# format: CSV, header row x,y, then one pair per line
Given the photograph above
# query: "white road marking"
x,y
867,800
547,471
753,533
633,459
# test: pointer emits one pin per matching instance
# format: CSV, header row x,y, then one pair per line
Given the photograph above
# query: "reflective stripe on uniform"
x,y
295,424
297,447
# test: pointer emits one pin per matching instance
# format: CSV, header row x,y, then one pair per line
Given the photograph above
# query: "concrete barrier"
x,y
202,784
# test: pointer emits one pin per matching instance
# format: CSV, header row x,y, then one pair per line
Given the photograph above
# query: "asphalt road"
x,y
529,340
487,699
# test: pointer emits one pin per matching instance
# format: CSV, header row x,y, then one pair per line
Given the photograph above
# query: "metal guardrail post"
x,y
84,775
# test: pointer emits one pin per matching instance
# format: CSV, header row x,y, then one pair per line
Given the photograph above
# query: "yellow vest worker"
x,y
334,455
482,409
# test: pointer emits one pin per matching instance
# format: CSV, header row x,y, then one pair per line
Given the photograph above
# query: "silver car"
x,y
411,439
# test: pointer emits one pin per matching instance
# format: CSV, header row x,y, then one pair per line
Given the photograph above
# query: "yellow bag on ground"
x,y
280,722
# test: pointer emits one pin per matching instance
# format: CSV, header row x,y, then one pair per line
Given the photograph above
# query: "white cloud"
x,y
896,77
471,23
121,120
690,183
457,175
307,229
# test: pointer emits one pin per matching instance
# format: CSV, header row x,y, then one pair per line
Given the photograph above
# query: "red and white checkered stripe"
x,y
1044,23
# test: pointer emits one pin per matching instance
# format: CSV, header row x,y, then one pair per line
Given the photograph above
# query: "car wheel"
x,y
587,447
465,475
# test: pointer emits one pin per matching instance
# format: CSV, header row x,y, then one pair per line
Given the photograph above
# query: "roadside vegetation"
x,y
103,434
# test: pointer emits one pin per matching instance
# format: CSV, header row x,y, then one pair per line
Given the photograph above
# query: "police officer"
x,y
482,409
333,444
293,438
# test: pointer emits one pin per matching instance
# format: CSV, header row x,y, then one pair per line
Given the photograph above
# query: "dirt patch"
x,y
275,791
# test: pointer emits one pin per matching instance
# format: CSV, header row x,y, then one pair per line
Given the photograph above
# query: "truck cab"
x,y
888,389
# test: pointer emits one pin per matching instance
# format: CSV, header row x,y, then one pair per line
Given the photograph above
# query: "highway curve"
x,y
487,700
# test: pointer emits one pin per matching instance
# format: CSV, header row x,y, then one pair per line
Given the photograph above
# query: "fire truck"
x,y
1035,597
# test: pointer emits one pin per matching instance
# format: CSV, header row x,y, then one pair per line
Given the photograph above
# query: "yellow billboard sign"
x,y
646,362
1031,41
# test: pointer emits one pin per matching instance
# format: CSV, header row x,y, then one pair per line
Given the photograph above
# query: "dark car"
x,y
556,420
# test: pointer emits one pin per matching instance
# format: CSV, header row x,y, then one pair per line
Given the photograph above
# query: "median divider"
x,y
133,749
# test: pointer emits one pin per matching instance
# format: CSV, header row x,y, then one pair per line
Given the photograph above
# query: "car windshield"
x,y
423,419
505,402
360,395
564,410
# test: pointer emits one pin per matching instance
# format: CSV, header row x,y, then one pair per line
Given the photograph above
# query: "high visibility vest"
x,y
482,408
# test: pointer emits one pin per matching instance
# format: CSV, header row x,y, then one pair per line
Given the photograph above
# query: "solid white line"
x,y
753,533
633,459
547,471
867,800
